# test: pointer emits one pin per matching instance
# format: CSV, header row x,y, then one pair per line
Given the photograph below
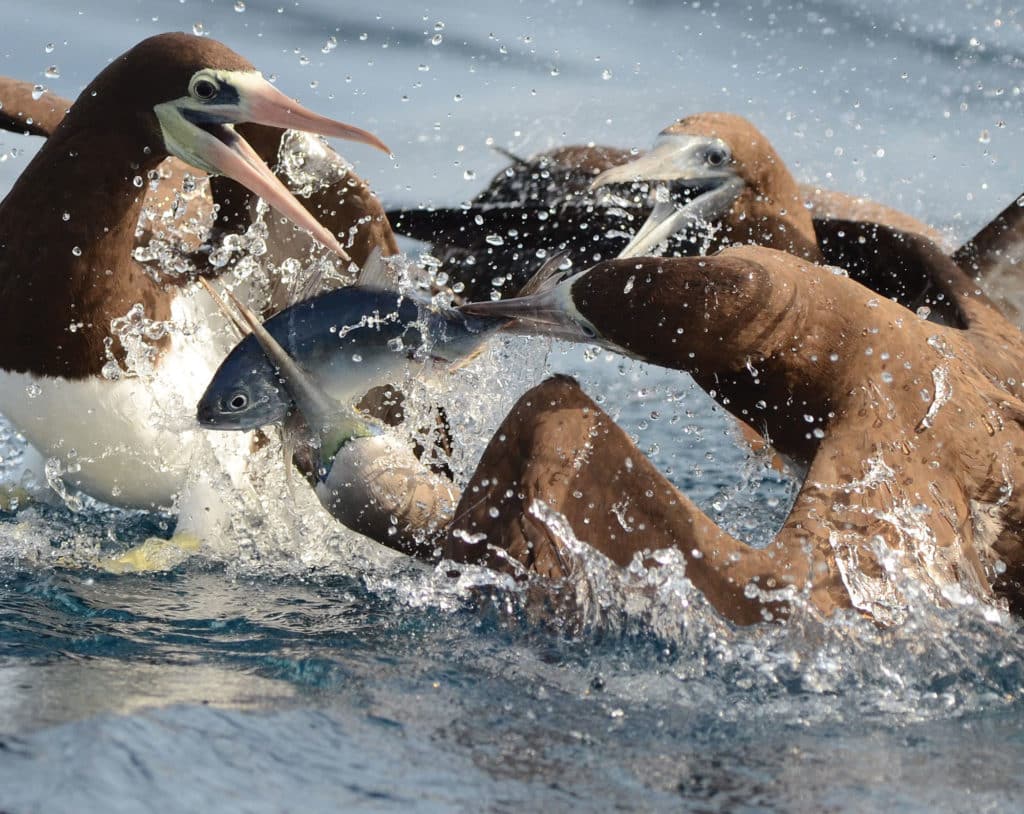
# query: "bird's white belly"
x,y
129,441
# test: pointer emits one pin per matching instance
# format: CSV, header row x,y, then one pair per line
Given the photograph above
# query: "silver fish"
x,y
369,480
348,340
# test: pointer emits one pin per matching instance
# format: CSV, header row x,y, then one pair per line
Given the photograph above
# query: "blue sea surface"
x,y
324,674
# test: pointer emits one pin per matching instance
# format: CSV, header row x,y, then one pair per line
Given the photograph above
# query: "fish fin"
x,y
994,257
376,274
555,269
459,364
225,309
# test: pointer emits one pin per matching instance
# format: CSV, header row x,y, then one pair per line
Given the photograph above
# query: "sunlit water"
x,y
296,668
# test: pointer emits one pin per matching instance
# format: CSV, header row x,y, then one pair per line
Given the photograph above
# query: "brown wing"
x,y
994,257
22,112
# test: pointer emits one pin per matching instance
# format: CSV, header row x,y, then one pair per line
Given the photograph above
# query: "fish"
x,y
348,341
367,478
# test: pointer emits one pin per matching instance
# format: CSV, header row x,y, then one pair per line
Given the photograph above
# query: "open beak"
x,y
201,133
677,162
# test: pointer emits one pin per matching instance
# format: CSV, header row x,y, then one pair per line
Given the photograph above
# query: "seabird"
x,y
716,176
588,200
337,197
534,208
98,357
912,433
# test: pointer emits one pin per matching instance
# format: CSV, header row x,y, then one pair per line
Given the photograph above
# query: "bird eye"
x,y
716,156
587,331
204,89
239,401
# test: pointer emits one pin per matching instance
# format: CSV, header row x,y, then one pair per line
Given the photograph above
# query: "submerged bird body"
x,y
101,359
348,340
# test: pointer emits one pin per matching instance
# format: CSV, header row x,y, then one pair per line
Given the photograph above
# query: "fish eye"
x,y
238,401
203,88
716,156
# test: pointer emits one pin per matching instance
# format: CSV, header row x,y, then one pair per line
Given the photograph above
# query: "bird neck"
x,y
67,230
772,215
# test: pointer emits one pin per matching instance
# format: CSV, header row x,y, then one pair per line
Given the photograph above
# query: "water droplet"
x,y
357,358
493,511
303,60
606,74
66,216
33,391
880,152
53,72
808,418
37,92
76,251
49,47
437,39
984,137
330,45
198,29
555,71
457,97
495,240
239,6
818,433
469,175
137,182
439,26
422,67
364,37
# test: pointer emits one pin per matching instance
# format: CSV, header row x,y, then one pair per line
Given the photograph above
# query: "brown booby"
x,y
535,207
100,360
589,200
913,433
717,175
333,193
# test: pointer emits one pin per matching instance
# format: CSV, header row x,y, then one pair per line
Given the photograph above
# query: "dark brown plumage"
x,y
75,208
67,226
916,432
22,112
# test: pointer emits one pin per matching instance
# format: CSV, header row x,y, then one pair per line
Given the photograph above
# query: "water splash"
x,y
309,164
942,393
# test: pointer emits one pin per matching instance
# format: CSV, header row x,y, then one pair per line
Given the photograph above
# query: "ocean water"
x,y
297,668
